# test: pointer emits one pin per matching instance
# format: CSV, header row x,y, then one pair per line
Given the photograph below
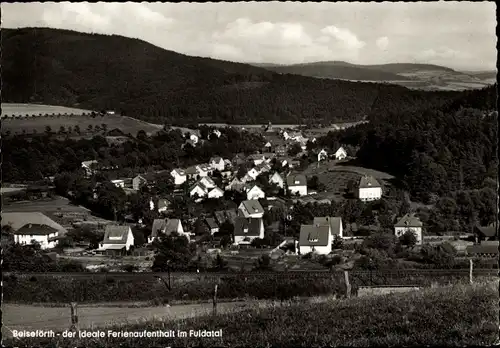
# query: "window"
x,y
313,240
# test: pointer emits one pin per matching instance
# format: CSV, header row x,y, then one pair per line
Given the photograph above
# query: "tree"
x,y
62,130
294,150
219,264
77,129
263,263
408,239
89,128
48,130
174,252
141,135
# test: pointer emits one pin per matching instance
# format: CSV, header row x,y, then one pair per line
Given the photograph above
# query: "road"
x,y
24,317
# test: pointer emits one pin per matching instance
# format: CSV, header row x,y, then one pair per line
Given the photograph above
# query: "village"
x,y
258,193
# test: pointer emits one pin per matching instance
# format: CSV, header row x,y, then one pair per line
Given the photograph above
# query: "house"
x,y
280,150
238,159
485,233
217,163
315,239
222,216
165,227
142,180
215,193
16,220
194,138
217,133
192,172
253,173
30,233
335,224
118,183
257,159
188,142
198,189
277,180
369,189
248,229
212,225
322,155
254,192
226,174
263,168
204,169
207,182
409,222
268,147
117,240
163,205
248,178
235,184
89,167
340,154
251,209
179,176
297,184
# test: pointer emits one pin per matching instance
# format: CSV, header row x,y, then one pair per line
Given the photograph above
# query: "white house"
x,y
117,239
165,227
194,138
217,133
179,176
217,163
163,205
215,193
254,192
198,189
247,229
234,184
204,169
253,173
118,183
297,184
212,225
369,189
207,182
89,167
322,155
277,179
263,168
340,154
334,223
43,234
248,178
409,222
251,209
316,239
257,159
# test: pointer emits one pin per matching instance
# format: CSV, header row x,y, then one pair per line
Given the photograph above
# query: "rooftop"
x,y
409,220
314,235
368,181
115,234
296,180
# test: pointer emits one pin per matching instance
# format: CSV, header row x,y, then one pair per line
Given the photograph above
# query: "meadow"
x,y
14,109
458,315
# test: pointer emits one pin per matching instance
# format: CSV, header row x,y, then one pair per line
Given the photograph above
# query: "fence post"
x,y
471,266
74,317
215,300
348,284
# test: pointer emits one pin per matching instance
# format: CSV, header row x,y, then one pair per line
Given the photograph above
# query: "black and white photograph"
x,y
259,174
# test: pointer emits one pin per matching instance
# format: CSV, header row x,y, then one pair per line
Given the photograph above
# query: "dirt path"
x,y
23,317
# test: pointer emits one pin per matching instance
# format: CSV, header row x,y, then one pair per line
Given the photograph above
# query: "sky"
x,y
459,35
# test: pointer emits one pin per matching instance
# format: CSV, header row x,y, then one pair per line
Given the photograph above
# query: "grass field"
x,y
13,109
459,315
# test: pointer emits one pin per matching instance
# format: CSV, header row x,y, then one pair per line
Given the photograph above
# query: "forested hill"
x,y
447,151
137,79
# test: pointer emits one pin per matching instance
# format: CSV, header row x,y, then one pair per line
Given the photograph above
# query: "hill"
x,y
411,75
137,79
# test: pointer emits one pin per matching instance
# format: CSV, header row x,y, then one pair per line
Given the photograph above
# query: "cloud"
x,y
79,14
345,36
382,42
440,53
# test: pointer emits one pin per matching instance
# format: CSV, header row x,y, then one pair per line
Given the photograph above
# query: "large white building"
x,y
117,239
179,176
340,154
369,189
254,192
248,229
251,209
411,223
277,179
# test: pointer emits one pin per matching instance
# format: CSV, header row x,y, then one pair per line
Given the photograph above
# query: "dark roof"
x,y
211,223
163,203
486,231
223,215
253,206
216,159
334,222
314,235
164,226
115,234
247,227
368,181
191,170
146,176
36,230
296,180
409,220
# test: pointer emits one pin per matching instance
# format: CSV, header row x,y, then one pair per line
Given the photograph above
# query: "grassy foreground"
x,y
450,316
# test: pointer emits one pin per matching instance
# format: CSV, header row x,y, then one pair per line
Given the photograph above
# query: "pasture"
x,y
70,122
458,315
14,109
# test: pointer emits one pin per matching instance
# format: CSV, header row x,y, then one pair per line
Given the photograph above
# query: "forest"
x,y
450,151
137,79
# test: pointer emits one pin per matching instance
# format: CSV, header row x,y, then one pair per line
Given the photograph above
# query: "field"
x,y
459,315
336,175
13,109
64,117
